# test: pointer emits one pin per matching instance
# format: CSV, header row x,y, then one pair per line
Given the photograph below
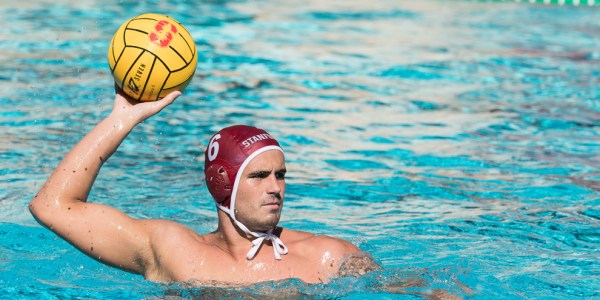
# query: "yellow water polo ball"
x,y
152,55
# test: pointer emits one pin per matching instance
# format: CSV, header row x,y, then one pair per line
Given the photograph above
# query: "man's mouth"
x,y
272,205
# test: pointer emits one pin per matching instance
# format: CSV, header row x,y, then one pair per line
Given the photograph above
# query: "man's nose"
x,y
274,187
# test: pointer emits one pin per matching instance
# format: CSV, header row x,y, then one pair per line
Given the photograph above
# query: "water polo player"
x,y
245,173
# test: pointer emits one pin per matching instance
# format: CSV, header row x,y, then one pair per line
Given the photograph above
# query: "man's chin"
x,y
266,226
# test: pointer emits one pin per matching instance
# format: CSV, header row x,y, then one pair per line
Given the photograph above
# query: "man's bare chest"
x,y
211,266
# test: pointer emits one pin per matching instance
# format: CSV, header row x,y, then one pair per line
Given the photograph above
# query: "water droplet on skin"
x,y
326,257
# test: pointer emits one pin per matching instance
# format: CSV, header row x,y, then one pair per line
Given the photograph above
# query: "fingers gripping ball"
x,y
152,55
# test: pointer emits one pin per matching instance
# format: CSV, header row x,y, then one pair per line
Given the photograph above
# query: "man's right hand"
x,y
128,109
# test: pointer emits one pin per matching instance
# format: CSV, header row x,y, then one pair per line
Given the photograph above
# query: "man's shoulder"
x,y
294,236
310,242
331,256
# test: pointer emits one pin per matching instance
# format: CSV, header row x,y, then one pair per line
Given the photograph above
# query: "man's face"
x,y
260,192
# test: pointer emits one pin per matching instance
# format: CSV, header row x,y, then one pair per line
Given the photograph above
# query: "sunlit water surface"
x,y
457,142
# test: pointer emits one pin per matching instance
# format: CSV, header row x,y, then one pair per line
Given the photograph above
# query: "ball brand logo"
x,y
137,76
133,87
163,34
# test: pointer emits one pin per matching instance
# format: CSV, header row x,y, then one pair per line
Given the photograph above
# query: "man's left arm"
x,y
343,258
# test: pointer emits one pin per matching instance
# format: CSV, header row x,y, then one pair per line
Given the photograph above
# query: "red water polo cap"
x,y
227,154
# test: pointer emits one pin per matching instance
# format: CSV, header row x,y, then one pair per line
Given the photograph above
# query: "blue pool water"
x,y
456,141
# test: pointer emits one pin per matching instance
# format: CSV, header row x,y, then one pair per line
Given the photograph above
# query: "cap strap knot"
x,y
278,246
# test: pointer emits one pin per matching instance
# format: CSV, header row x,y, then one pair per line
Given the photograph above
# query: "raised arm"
x,y
100,231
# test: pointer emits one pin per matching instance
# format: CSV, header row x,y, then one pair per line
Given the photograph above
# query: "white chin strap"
x,y
278,246
260,237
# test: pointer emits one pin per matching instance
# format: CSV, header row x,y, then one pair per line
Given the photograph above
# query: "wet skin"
x,y
167,251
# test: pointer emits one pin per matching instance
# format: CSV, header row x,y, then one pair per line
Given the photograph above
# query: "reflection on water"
x,y
457,138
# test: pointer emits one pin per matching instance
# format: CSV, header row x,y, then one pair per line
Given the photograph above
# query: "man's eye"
x,y
259,175
280,175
